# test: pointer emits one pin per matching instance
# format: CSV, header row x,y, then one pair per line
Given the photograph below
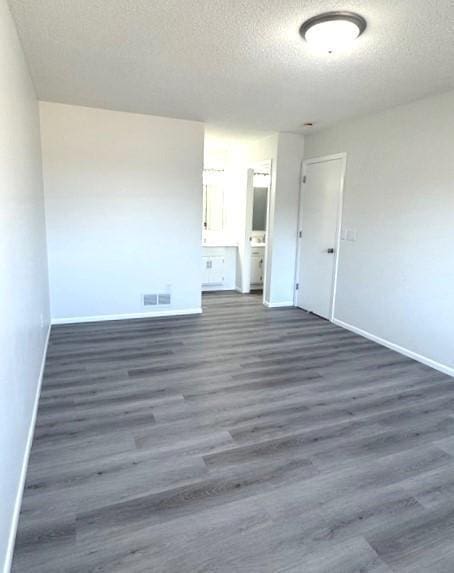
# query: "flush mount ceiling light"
x,y
333,31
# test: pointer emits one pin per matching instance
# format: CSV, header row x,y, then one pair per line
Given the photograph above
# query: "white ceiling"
x,y
234,63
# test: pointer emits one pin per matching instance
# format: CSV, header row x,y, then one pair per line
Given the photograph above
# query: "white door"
x,y
321,194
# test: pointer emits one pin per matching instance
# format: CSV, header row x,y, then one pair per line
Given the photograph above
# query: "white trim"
x,y
299,228
419,357
268,235
217,288
278,304
23,473
322,159
340,211
245,245
246,250
103,317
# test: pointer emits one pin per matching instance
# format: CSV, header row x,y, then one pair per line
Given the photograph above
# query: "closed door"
x,y
320,201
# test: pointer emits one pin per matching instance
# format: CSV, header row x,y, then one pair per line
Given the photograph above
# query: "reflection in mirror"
x,y
213,200
260,199
259,209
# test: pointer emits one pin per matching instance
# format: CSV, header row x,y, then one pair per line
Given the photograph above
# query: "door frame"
x,y
305,163
246,251
266,164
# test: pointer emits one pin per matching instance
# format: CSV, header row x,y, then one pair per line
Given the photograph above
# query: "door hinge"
x,y
304,178
297,286
300,234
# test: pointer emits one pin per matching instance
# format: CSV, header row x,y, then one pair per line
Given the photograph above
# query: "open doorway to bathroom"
x,y
235,218
255,247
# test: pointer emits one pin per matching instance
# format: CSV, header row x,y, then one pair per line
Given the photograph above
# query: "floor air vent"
x,y
150,299
164,298
156,299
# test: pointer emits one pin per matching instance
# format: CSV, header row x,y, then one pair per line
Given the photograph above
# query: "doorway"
x,y
319,234
255,244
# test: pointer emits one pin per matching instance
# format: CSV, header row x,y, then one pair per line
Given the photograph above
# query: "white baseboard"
x,y
103,317
420,358
278,304
217,289
23,473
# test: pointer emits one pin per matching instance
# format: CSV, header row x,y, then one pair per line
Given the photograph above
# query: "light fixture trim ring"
x,y
331,16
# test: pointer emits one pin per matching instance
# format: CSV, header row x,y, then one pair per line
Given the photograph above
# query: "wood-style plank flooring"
x,y
243,440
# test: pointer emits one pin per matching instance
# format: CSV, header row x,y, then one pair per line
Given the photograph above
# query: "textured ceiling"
x,y
234,63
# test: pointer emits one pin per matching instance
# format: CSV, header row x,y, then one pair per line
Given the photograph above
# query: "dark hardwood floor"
x,y
243,440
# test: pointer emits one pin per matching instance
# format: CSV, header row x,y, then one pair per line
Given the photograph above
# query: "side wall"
x,y
285,219
124,209
396,280
24,299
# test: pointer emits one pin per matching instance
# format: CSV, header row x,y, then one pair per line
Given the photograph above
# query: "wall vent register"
x,y
156,299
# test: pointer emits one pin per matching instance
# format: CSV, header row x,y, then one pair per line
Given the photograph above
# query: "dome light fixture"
x,y
332,31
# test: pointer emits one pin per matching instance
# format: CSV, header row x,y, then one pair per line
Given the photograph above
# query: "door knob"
x,y
330,251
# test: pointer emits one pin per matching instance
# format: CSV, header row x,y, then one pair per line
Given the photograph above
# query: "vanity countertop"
x,y
219,245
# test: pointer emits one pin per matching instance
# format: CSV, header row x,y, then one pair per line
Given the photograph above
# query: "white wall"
x,y
224,155
124,210
24,306
285,224
397,280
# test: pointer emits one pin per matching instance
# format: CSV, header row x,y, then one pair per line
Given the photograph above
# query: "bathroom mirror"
x,y
213,200
259,209
260,199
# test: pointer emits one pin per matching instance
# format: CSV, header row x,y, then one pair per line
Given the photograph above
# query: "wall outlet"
x,y
348,234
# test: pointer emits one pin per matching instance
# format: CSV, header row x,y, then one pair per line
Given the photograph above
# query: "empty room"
x,y
227,286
